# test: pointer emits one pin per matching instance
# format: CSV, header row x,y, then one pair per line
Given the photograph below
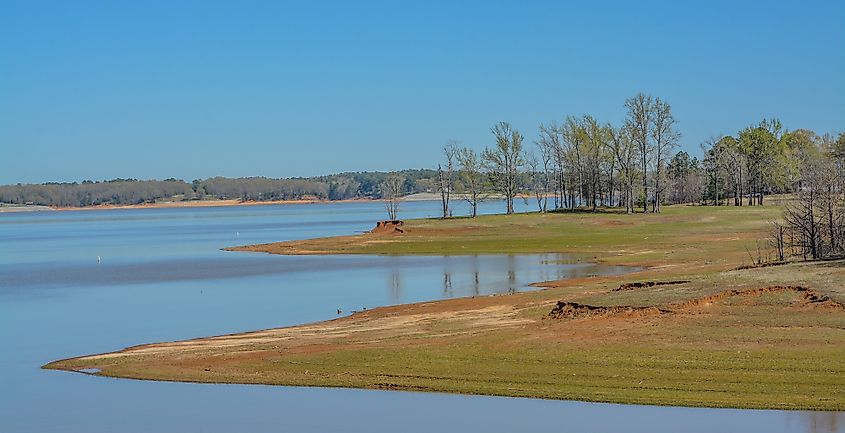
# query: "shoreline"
x,y
174,204
603,339
416,197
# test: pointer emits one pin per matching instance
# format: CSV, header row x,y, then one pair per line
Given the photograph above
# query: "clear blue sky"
x,y
154,89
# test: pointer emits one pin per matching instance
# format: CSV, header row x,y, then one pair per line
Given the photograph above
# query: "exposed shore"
x,y
423,196
713,335
173,204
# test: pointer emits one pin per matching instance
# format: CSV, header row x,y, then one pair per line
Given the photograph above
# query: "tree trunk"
x,y
645,183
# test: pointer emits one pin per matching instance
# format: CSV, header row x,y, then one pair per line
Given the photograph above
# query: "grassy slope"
x,y
766,351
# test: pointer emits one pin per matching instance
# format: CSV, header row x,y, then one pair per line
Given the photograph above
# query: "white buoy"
x,y
98,260
237,234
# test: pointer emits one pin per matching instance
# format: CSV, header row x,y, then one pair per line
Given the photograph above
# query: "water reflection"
x,y
819,422
409,278
395,285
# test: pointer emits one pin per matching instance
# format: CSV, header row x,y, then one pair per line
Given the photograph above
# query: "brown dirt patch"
x,y
646,284
761,265
809,296
615,223
574,310
388,227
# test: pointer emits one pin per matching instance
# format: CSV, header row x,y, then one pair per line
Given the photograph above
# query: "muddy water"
x,y
161,276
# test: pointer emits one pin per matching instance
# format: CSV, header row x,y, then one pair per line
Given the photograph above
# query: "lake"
x,y
161,276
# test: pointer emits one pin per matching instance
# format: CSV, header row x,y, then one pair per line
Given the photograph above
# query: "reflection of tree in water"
x,y
823,422
395,285
511,273
476,284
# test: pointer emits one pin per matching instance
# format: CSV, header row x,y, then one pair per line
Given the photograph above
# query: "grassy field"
x,y
769,337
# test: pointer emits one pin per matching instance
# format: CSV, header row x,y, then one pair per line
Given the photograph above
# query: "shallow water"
x,y
162,276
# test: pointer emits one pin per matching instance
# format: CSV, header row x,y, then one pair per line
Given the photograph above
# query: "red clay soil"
x,y
810,297
574,310
760,265
388,227
645,284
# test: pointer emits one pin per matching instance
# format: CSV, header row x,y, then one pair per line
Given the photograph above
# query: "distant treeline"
x,y
133,191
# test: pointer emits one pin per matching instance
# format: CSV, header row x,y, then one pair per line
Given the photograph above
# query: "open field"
x,y
771,337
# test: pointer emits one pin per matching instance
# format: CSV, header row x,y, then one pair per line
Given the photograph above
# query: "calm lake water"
x,y
163,277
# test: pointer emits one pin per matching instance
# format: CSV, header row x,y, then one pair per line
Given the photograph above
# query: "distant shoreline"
x,y
169,204
6,207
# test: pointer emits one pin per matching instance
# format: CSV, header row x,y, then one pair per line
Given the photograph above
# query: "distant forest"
x,y
133,191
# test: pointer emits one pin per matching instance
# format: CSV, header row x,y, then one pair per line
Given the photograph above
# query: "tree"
x,y
684,179
594,139
504,161
551,147
733,161
538,180
665,138
472,179
639,122
573,136
391,190
625,151
817,215
445,183
540,166
765,155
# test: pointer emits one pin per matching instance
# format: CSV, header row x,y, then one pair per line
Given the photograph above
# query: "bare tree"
x,y
639,122
550,142
472,179
831,201
504,161
610,163
595,138
539,179
733,160
391,190
445,182
777,231
574,137
665,137
625,151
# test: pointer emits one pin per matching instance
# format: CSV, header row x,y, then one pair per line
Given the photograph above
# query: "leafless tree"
x,y
504,161
538,180
639,122
392,189
665,137
573,135
472,179
445,181
595,138
625,152
551,143
778,233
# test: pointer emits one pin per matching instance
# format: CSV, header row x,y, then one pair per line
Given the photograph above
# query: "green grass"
x,y
767,351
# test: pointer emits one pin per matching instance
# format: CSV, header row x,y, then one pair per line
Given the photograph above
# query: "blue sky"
x,y
154,89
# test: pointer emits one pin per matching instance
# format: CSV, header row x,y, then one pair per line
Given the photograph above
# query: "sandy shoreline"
x,y
205,203
171,204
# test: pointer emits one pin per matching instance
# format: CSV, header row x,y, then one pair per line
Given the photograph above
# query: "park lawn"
x,y
714,340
